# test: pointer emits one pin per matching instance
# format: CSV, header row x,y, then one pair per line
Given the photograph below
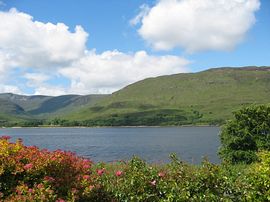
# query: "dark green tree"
x,y
245,134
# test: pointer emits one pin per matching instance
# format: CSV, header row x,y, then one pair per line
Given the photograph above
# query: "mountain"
x,y
10,108
26,108
206,97
27,103
188,98
66,103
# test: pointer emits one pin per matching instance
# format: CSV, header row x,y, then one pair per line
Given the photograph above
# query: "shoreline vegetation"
x,y
30,174
154,120
142,126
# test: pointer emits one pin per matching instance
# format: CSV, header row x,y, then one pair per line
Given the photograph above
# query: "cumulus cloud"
x,y
112,70
197,25
144,9
29,44
36,44
51,90
10,89
44,52
38,81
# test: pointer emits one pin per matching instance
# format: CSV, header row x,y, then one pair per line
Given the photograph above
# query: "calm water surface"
x,y
110,144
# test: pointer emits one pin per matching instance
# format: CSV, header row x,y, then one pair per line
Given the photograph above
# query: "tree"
x,y
247,133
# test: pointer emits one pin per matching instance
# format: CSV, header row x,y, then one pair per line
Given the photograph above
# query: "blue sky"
x,y
113,49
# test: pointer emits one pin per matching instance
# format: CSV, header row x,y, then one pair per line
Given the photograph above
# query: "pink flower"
x,y
49,179
30,190
153,183
118,173
100,171
60,200
161,174
28,166
5,137
86,161
32,147
91,187
19,192
86,177
86,166
74,190
54,158
40,186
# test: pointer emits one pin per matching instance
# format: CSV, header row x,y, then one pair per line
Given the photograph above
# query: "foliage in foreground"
x,y
246,134
31,174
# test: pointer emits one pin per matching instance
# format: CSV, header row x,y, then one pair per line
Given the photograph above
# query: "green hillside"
x,y
17,109
204,97
27,103
10,108
60,105
11,112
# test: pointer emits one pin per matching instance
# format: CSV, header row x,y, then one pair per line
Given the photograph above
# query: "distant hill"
x,y
20,107
28,103
205,97
10,108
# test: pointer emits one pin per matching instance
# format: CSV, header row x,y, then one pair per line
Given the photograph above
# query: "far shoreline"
x,y
142,126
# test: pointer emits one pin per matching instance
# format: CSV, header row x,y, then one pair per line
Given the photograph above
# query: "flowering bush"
x,y
31,174
27,172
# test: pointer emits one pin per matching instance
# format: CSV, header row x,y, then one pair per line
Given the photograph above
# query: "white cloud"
x,y
112,70
36,78
25,43
10,89
46,52
38,81
51,90
197,25
36,44
144,9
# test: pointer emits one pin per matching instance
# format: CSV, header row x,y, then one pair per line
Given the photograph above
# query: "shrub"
x,y
247,133
31,174
257,180
47,174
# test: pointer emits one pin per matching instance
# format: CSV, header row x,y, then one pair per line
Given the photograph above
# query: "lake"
x,y
154,144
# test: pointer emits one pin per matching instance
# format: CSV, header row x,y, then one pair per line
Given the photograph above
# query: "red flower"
x,y
118,173
5,137
40,186
91,187
86,177
49,179
100,171
161,174
86,166
28,166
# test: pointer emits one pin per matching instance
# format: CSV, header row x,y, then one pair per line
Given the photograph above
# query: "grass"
x,y
214,94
